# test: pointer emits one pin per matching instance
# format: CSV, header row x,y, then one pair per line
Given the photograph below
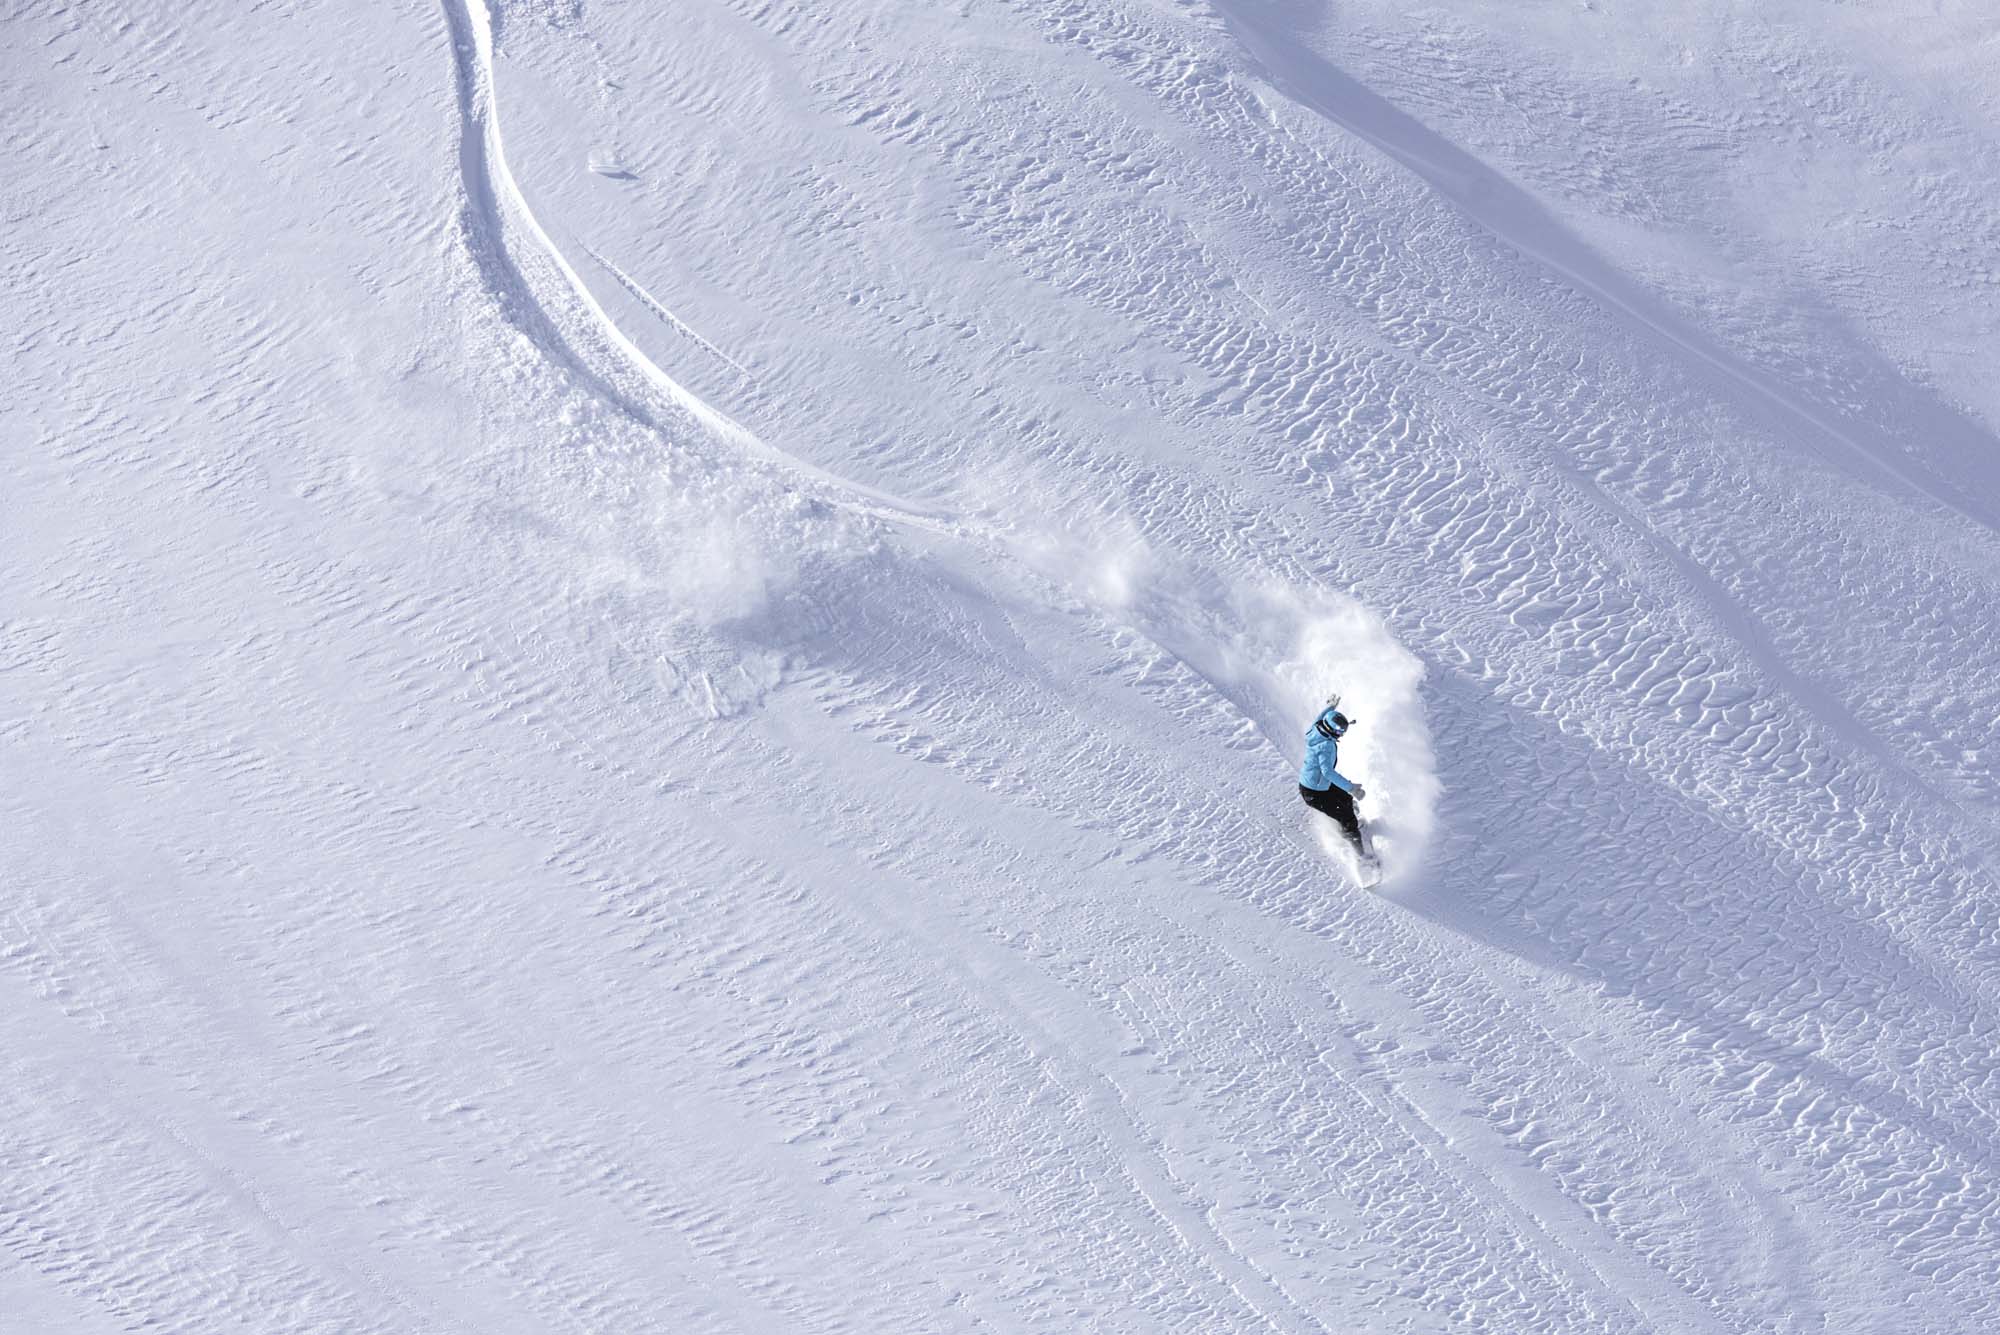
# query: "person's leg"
x,y
1340,807
1316,798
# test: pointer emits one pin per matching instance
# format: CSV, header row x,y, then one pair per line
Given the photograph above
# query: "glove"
x,y
1358,792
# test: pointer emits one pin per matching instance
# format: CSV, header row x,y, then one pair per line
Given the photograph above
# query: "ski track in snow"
x,y
652,303
510,827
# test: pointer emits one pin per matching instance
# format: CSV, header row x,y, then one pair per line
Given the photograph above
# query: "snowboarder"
x,y
1324,788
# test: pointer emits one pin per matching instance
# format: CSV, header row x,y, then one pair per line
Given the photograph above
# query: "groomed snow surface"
x,y
651,657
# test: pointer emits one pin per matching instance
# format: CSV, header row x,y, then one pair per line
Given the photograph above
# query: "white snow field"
x,y
652,656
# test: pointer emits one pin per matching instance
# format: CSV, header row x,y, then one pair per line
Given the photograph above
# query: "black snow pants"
x,y
1340,806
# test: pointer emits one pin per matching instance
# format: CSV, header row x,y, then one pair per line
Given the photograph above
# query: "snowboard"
x,y
1367,862
1363,865
1369,872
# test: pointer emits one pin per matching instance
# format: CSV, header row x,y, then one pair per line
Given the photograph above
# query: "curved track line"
x,y
483,163
481,25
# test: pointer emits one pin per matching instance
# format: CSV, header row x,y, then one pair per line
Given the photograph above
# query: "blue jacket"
x,y
1322,753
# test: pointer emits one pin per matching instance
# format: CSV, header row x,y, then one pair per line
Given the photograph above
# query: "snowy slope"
x,y
653,655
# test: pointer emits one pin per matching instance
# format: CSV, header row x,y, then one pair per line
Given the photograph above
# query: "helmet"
x,y
1333,723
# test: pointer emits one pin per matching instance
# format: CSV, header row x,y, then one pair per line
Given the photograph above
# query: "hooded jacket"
x,y
1322,754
